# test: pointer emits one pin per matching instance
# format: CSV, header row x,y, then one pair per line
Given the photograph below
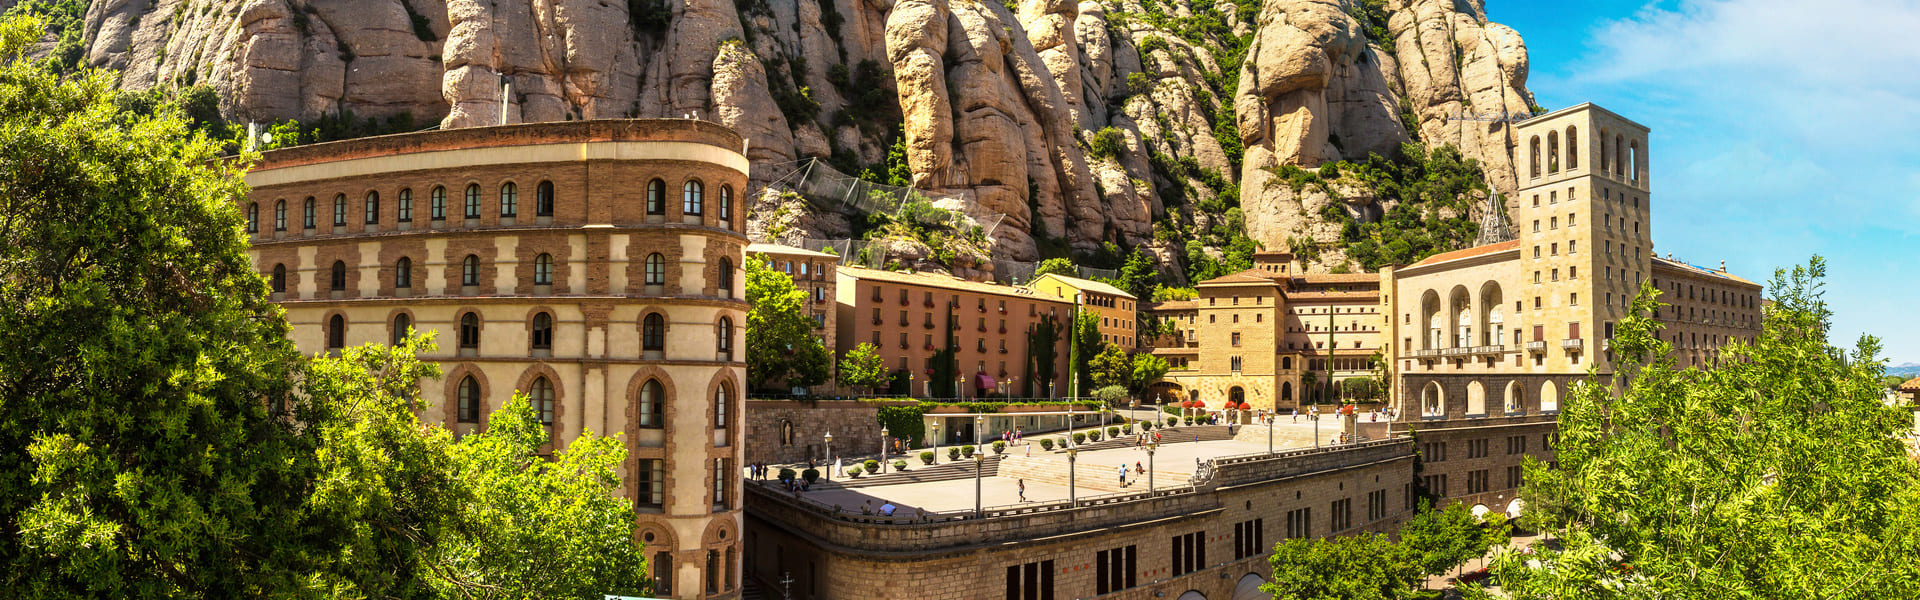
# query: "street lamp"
x,y
979,422
1151,447
883,448
829,464
979,460
1270,433
1069,424
1073,457
936,441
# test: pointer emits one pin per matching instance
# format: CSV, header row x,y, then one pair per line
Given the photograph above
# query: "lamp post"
x,y
936,441
1270,433
829,464
1069,424
979,460
883,448
1151,447
979,422
1073,457
958,382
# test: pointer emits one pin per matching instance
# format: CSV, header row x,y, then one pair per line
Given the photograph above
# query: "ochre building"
x,y
907,315
1115,308
594,266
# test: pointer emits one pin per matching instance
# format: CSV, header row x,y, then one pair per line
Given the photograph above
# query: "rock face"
x,y
1315,89
1057,123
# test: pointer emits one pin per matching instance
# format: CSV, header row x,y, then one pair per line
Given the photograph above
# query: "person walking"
x,y
1296,414
1123,475
1023,490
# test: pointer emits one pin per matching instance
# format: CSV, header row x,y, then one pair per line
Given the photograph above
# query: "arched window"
x,y
1573,147
340,210
541,393
1619,154
726,206
403,210
403,273
725,283
656,197
1604,163
656,269
473,201
280,215
402,325
470,271
543,199
339,280
373,208
543,269
253,217
1534,164
653,333
470,331
722,400
469,401
437,203
280,279
1553,152
724,336
509,199
336,332
653,401
693,198
1633,161
543,331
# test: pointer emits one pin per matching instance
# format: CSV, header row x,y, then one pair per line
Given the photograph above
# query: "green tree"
x,y
1084,344
780,341
1367,566
863,367
1163,293
420,514
946,375
1147,369
1111,367
1439,540
139,456
1359,388
1043,348
1777,474
1060,266
1137,275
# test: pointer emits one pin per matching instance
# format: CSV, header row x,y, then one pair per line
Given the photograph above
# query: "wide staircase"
x,y
1170,435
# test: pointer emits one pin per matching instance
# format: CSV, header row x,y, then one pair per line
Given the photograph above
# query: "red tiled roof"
x,y
1247,276
1322,278
1173,305
1470,252
1912,385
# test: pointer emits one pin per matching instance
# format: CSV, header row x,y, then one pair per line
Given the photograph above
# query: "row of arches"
x,y
1465,319
655,274
693,202
1480,401
539,331
472,402
1618,155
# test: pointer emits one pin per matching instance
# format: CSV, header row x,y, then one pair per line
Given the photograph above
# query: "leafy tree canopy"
x,y
863,367
1112,367
780,341
1777,474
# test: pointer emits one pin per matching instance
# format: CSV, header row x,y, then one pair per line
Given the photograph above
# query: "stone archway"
x,y
1433,400
1192,595
1549,397
1249,588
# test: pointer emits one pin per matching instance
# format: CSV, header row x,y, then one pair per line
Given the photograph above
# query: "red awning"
x,y
983,381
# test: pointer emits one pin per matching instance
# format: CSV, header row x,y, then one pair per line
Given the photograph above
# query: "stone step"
x,y
920,473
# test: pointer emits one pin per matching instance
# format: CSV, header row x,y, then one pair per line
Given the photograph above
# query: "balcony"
x,y
1537,347
1573,344
1470,351
1606,345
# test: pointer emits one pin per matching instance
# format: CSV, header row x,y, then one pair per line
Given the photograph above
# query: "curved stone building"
x,y
593,265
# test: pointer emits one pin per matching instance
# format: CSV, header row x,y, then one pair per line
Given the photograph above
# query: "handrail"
x,y
769,489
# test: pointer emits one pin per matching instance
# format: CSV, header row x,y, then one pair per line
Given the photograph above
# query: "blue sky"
x,y
1781,129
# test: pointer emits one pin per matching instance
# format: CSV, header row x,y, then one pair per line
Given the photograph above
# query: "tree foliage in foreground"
x,y
1372,567
161,438
780,341
1778,474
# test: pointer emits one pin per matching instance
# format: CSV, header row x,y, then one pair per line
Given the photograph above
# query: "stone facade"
x,y
788,432
592,265
1228,525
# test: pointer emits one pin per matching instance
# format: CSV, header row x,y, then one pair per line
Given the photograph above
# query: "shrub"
x,y
1172,421
855,471
1106,143
999,447
1046,443
1094,435
787,474
967,451
953,453
811,475
873,466
1079,437
1152,43
899,465
1113,432
1189,420
1139,83
926,457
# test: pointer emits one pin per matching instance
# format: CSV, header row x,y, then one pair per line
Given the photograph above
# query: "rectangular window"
x,y
722,473
1189,552
1236,339
1477,481
1300,523
1376,505
1477,448
1249,538
651,481
1031,581
1115,570
1342,517
1514,475
1433,452
1517,444
1235,362
1436,484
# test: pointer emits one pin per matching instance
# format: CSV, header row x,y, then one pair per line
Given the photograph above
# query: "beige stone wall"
x,y
595,242
787,432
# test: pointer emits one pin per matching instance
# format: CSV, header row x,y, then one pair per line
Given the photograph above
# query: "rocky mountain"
x,y
1150,124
